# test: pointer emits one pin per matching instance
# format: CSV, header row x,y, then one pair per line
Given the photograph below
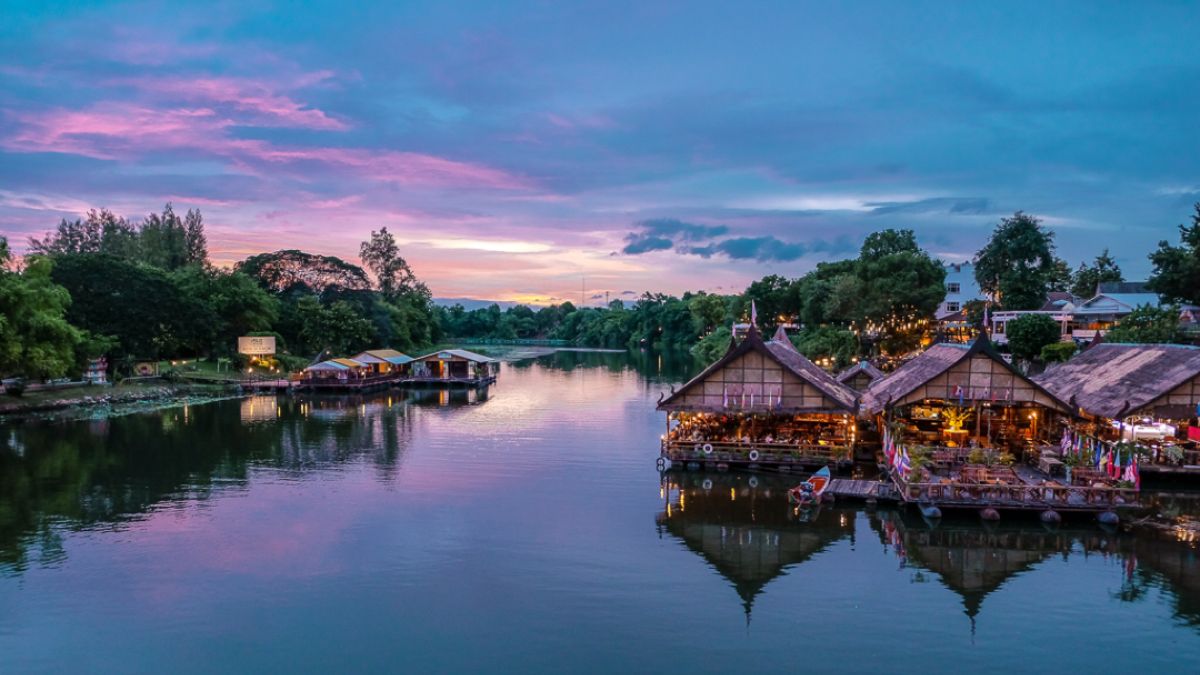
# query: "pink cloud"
x,y
259,100
125,132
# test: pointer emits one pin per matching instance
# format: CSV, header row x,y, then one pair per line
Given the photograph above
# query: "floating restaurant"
x,y
1136,402
384,361
761,405
963,428
384,367
454,367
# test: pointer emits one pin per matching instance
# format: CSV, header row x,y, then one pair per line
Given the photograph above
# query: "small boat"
x,y
809,492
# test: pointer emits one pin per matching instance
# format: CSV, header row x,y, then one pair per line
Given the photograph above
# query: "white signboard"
x,y
256,346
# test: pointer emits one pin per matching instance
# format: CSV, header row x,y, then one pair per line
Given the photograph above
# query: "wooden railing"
x,y
1018,495
350,381
763,453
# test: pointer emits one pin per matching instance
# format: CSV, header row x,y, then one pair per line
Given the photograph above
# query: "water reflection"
x,y
744,527
80,475
976,561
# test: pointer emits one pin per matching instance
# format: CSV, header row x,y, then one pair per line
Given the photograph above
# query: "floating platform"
x,y
866,490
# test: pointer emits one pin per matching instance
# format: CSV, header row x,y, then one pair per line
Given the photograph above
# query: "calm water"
x,y
522,533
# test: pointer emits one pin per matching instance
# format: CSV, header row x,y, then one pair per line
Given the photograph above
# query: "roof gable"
x,y
950,371
763,376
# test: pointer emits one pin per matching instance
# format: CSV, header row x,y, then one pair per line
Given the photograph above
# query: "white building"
x,y
961,288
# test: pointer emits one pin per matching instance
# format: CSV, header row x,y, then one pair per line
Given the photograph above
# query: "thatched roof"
x,y
1116,380
939,359
782,353
860,367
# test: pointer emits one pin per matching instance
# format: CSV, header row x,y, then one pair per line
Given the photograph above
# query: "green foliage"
x,y
162,240
381,255
296,272
236,303
712,346
1017,265
338,327
1029,334
1058,352
1088,278
1176,275
138,305
1147,325
35,338
823,342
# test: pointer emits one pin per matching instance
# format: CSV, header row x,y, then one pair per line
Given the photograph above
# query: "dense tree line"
x,y
101,285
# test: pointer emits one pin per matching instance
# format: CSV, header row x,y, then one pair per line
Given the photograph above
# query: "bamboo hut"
x,y
384,361
761,404
1148,395
860,376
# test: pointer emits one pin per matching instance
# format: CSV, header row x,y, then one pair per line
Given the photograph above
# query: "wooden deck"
x,y
1032,491
846,488
760,455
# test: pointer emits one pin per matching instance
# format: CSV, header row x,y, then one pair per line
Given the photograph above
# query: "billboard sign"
x,y
262,345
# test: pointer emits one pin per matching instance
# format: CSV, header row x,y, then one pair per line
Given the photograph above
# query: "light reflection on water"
x,y
523,530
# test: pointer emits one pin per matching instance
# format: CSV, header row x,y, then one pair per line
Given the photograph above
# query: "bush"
x,y
1059,352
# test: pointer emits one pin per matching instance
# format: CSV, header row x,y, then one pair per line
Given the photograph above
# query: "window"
x,y
953,287
952,307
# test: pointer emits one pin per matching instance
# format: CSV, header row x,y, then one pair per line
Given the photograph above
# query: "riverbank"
x,y
99,401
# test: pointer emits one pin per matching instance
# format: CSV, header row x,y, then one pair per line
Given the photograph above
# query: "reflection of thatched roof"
x,y
974,561
785,355
941,359
749,540
1112,380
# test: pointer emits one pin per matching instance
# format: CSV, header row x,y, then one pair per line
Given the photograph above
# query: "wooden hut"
x,y
860,376
956,395
1144,394
761,404
384,361
335,374
454,366
967,426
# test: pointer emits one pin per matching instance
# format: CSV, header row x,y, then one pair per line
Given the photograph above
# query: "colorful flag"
x,y
753,314
725,396
905,465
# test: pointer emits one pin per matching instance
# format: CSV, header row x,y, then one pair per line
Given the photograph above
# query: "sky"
x,y
541,151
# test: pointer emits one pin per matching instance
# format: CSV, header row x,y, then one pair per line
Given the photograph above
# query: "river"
x,y
525,530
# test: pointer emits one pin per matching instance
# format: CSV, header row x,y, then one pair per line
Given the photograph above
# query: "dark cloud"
x,y
955,205
768,249
637,243
707,241
628,292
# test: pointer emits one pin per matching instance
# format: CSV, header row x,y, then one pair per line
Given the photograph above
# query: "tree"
x,y
1030,333
1176,275
773,298
708,311
1060,278
35,338
164,241
902,286
138,305
1058,352
381,255
1017,264
827,342
338,328
712,346
195,244
1147,325
293,271
237,304
1087,278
